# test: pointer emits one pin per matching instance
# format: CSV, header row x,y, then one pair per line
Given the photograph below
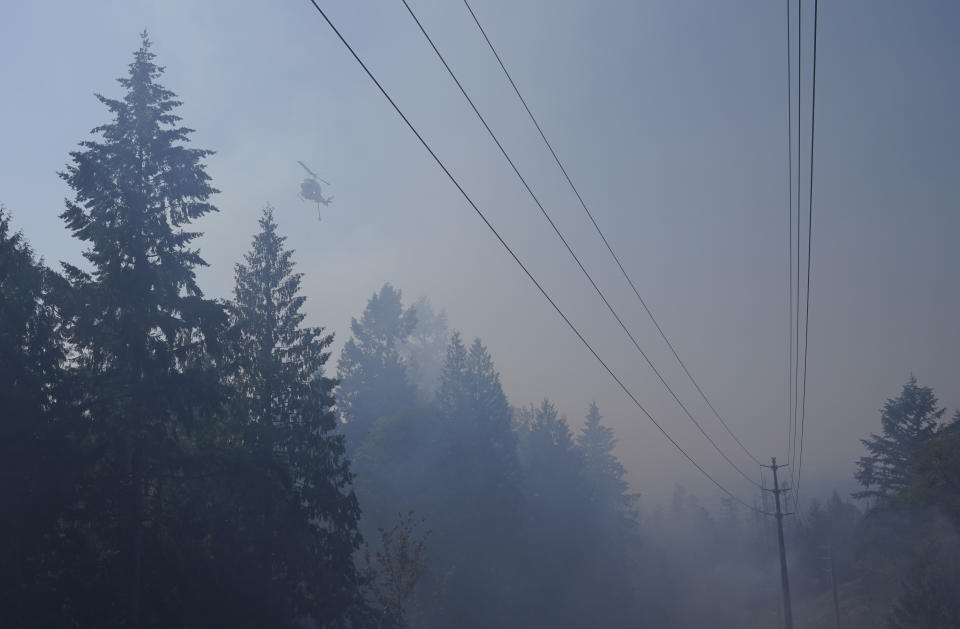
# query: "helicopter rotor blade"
x,y
313,174
310,172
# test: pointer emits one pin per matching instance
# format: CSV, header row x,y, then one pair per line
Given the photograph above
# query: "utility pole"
x,y
833,581
768,536
784,578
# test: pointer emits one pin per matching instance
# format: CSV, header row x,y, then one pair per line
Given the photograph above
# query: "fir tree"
x,y
934,471
552,432
140,326
557,512
602,469
479,487
471,396
907,421
928,598
451,394
37,427
552,467
371,370
287,409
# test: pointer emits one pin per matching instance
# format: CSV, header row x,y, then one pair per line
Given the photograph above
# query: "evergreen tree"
x,y
602,469
906,422
371,370
478,488
928,599
610,576
452,392
560,541
928,549
551,444
286,408
934,471
471,397
553,472
37,426
141,327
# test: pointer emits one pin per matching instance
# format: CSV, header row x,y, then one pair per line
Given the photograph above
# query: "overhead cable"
x,y
523,267
566,244
606,242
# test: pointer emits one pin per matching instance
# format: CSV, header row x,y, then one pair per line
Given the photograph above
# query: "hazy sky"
x,y
670,116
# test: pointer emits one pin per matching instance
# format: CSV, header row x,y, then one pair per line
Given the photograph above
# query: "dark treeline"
x,y
528,523
171,460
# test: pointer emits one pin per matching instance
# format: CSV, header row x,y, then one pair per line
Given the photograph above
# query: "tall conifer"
x,y
140,327
286,405
37,427
372,371
602,469
906,422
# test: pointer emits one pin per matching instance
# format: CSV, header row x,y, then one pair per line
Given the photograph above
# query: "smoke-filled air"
x,y
480,314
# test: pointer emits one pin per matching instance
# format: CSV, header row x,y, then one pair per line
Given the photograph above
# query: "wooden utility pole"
x,y
784,577
833,581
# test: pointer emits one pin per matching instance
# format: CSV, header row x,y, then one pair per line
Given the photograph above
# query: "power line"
x,y
789,236
516,259
796,347
566,244
604,238
806,332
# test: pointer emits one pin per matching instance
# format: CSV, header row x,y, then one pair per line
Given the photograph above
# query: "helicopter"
x,y
310,189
